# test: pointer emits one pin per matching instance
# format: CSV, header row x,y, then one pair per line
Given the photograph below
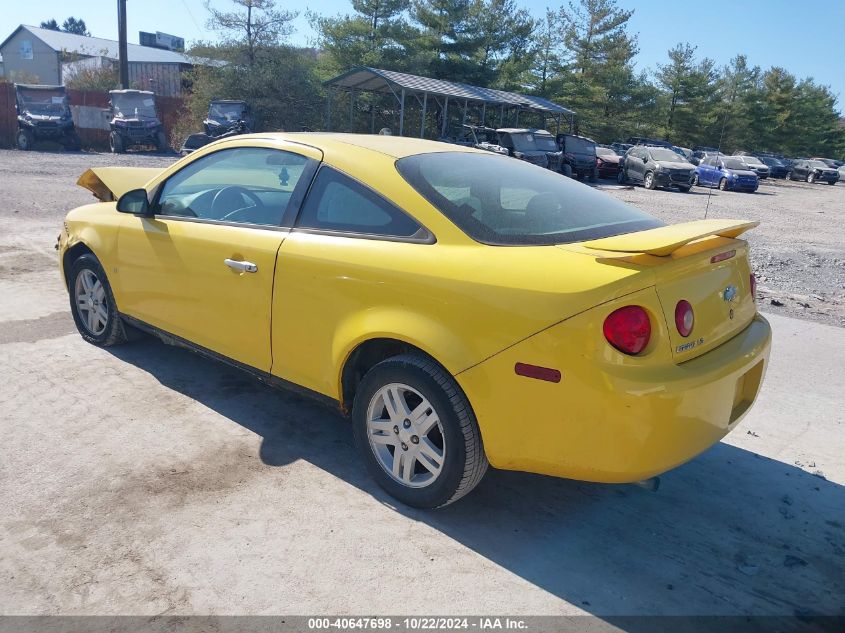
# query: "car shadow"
x,y
730,533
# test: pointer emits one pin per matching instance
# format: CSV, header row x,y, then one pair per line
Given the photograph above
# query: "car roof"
x,y
395,146
523,130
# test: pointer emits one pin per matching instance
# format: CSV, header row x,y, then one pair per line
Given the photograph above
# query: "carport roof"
x,y
378,80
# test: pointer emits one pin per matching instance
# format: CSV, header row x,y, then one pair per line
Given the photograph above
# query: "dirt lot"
x,y
146,480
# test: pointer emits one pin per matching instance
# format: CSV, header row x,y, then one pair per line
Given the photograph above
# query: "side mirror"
x,y
134,202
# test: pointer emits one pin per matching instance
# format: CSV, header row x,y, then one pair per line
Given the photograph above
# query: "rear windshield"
x,y
603,151
501,201
752,160
528,142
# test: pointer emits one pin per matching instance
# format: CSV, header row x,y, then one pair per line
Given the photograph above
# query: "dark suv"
x,y
656,167
578,156
531,145
813,171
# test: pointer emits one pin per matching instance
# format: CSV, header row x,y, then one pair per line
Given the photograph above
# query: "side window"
x,y
336,202
505,140
252,185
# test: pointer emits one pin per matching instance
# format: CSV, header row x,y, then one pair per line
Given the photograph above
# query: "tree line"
x,y
580,55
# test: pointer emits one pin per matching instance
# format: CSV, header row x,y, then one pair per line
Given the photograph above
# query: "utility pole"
x,y
121,44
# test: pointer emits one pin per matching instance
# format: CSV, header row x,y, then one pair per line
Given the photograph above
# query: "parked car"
x,y
831,162
134,121
413,285
754,164
43,114
225,115
620,148
607,163
656,167
777,168
700,151
532,145
842,172
578,156
726,173
652,142
813,171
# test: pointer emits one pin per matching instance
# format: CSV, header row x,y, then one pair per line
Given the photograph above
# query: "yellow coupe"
x,y
463,307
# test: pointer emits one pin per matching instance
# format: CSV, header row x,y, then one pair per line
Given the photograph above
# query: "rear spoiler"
x,y
667,239
109,183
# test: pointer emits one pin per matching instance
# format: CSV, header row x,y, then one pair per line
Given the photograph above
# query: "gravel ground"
x,y
797,252
146,480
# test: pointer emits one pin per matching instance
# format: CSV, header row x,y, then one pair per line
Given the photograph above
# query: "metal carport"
x,y
477,105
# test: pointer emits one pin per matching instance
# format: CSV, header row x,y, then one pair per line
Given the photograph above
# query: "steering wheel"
x,y
223,197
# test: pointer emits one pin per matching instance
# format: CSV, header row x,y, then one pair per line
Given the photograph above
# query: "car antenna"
x,y
718,151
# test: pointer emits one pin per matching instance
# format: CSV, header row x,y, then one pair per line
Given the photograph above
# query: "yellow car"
x,y
465,308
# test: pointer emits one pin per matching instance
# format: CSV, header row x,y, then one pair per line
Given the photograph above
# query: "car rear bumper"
x,y
608,422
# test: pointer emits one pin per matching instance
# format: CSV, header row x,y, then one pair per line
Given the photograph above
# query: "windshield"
x,y
134,104
529,142
43,102
733,163
577,145
496,200
664,154
227,112
771,162
751,160
818,164
603,151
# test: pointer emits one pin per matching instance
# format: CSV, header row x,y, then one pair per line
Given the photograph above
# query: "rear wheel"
x,y
788,176
92,303
620,177
25,140
832,182
648,181
566,170
416,432
695,182
723,184
594,176
72,142
684,189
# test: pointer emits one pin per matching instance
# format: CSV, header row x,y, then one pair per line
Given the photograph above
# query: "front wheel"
x,y
92,303
620,177
723,184
116,143
566,170
648,181
416,432
161,142
25,139
788,176
695,182
811,178
684,189
832,182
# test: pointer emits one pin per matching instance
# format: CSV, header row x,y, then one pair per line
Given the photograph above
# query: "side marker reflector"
x,y
534,371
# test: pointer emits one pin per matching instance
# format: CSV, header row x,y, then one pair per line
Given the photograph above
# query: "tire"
x,y
24,140
594,176
566,170
83,271
161,142
832,182
723,184
648,181
454,432
695,182
116,143
811,178
684,189
620,177
788,176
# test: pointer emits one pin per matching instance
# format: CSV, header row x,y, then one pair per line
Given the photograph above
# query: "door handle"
x,y
247,267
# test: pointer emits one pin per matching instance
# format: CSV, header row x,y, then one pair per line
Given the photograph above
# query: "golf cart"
x,y
134,121
225,118
44,115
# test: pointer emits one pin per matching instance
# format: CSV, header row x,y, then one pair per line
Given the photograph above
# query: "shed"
x,y
484,106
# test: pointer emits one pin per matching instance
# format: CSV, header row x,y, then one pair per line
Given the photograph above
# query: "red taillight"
x,y
628,329
753,287
684,317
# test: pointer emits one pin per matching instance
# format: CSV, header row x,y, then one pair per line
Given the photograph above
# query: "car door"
x,y
347,257
634,166
801,169
706,170
201,266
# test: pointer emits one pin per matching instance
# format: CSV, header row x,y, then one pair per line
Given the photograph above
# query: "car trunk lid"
x,y
699,262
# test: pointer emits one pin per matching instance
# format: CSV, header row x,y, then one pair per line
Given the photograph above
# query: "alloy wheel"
x,y
406,435
90,296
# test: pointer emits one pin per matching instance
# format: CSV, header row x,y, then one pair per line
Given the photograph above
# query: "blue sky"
x,y
770,32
